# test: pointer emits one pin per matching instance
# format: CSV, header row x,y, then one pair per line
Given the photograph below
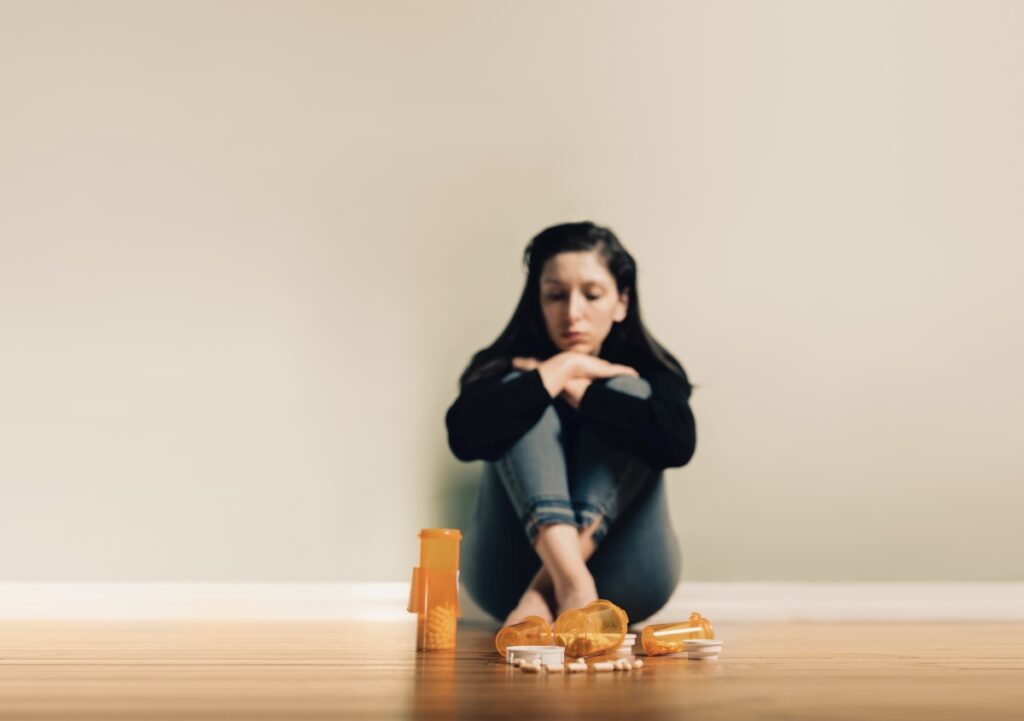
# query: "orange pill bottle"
x,y
665,638
531,631
598,627
434,592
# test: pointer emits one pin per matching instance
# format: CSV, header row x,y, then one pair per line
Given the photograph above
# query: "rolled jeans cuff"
x,y
586,514
547,511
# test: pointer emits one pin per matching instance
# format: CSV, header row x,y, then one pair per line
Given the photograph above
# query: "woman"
x,y
577,410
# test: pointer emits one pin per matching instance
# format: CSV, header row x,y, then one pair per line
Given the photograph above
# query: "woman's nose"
x,y
575,307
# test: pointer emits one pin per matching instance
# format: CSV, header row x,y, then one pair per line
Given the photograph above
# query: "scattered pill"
x,y
577,667
623,664
518,662
603,666
554,667
531,667
638,664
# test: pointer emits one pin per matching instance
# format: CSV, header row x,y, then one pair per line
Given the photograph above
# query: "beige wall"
x,y
247,247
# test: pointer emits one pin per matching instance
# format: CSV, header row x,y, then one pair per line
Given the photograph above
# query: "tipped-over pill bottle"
x,y
434,593
531,631
668,637
597,627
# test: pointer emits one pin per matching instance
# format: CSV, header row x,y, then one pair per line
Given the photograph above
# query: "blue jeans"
x,y
561,471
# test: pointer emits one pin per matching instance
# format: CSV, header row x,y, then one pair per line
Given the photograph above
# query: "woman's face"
x,y
580,301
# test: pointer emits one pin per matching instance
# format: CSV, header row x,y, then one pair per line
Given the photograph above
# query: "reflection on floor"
x,y
297,671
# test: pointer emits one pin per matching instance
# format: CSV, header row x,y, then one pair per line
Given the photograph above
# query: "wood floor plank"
x,y
299,671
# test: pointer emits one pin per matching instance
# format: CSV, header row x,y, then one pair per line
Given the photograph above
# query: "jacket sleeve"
x,y
488,418
660,429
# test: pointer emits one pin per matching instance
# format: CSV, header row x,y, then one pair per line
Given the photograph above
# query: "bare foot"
x,y
531,604
577,595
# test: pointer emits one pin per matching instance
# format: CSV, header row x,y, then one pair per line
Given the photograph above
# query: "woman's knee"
x,y
644,600
497,562
630,386
642,586
548,422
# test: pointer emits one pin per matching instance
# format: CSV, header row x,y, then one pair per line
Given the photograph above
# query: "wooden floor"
x,y
300,671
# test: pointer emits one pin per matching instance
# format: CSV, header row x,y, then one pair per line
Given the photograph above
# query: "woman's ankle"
x,y
532,603
558,546
587,543
575,593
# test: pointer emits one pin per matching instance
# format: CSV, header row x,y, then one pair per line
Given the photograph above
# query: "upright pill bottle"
x,y
598,627
434,592
531,631
668,637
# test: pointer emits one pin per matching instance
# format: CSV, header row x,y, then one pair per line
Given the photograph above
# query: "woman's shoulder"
x,y
483,374
667,378
649,366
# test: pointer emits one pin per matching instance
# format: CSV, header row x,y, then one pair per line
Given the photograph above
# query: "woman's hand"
x,y
574,390
587,369
590,366
558,370
525,364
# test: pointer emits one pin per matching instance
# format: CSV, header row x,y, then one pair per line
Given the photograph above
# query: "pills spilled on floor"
x,y
596,638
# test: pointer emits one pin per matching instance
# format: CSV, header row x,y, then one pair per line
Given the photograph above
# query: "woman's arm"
x,y
661,429
488,417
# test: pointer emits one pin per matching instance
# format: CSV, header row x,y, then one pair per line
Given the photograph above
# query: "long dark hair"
x,y
526,335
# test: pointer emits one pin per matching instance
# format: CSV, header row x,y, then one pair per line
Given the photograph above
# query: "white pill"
x,y
554,667
638,664
518,662
603,666
623,664
577,667
531,667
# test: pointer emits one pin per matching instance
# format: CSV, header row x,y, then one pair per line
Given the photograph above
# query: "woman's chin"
x,y
578,347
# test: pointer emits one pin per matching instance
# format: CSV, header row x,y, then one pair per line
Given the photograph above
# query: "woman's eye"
x,y
560,296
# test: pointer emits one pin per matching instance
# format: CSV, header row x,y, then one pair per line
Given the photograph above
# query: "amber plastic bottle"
x,y
598,627
531,631
434,593
668,637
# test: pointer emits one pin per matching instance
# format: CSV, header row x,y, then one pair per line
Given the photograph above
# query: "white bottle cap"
x,y
702,649
529,654
701,644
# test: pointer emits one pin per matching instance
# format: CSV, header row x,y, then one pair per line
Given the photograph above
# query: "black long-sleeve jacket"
x,y
489,416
